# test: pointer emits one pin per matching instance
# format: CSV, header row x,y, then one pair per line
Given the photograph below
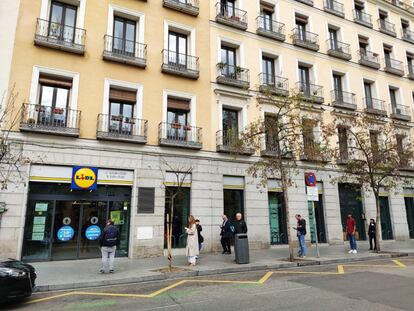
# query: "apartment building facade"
x,y
116,95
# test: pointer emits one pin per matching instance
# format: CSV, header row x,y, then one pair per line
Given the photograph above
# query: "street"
x,y
371,285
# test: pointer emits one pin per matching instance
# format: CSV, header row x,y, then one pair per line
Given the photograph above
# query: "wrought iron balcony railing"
x,y
50,120
401,112
59,36
343,99
120,128
362,18
410,71
334,7
375,106
180,64
394,66
369,59
233,75
190,7
407,35
270,28
339,49
386,27
125,51
231,16
305,39
310,92
231,142
180,135
274,84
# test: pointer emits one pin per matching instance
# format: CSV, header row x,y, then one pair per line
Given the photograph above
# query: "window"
x,y
124,36
228,59
338,89
359,10
383,17
393,97
178,111
62,21
53,100
387,55
230,126
343,143
368,93
177,49
373,137
308,136
410,63
405,25
271,133
268,65
304,79
363,45
228,8
333,38
121,111
301,26
267,12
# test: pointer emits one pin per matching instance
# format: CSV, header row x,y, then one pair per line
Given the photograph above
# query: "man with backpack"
x,y
108,242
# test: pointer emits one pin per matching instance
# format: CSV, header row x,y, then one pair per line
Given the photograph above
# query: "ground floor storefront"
x,y
48,219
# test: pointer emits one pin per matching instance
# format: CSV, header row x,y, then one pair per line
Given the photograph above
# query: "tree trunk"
x,y
378,223
169,233
286,205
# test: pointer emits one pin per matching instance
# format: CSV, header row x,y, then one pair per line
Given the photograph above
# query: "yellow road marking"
x,y
264,279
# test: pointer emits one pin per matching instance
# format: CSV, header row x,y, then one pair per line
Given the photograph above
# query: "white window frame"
x,y
139,17
184,29
35,86
46,5
139,88
277,58
193,104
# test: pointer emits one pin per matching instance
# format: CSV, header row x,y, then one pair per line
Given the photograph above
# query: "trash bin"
x,y
241,248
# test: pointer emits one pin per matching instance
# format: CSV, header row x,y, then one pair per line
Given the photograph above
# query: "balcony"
x,y
307,2
123,129
310,92
386,27
305,39
190,7
339,49
231,16
407,35
233,76
362,18
271,150
341,99
183,65
60,37
312,152
334,7
274,85
369,59
375,106
410,70
394,66
270,29
179,135
231,142
401,112
48,120
125,51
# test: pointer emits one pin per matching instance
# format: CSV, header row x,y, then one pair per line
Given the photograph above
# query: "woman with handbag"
x,y
192,241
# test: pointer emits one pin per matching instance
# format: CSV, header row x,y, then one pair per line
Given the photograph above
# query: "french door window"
x,y
177,120
121,117
62,21
268,71
304,80
228,8
177,49
228,59
337,80
53,105
267,20
124,36
230,126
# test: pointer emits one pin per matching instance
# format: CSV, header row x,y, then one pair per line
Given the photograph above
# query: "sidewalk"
x,y
74,274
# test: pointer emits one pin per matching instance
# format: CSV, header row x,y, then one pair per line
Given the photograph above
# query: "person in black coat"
x,y
226,234
372,229
200,237
240,225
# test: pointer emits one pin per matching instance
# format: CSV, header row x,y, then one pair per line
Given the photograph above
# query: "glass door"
x,y
228,60
304,80
268,71
386,226
177,119
177,49
124,36
120,117
62,21
119,213
230,127
277,219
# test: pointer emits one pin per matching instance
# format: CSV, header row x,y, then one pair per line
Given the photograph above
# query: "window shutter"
x,y
122,95
176,103
146,199
301,19
55,81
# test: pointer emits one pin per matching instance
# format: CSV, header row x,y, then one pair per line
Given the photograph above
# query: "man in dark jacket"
x,y
301,233
108,242
226,235
240,225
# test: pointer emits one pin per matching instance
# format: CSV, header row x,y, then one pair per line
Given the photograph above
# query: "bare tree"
x,y
284,137
372,153
173,188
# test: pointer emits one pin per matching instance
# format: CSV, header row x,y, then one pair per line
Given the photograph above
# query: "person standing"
x,y
240,225
108,242
301,233
200,237
350,231
372,230
192,241
226,235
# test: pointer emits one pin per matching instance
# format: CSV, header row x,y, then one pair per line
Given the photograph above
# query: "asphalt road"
x,y
376,285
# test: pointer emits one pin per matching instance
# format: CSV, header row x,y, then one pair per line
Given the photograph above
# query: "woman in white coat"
x,y
192,241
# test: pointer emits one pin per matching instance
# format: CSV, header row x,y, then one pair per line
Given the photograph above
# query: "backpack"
x,y
110,237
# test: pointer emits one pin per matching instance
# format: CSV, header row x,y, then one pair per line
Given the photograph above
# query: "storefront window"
x,y
233,203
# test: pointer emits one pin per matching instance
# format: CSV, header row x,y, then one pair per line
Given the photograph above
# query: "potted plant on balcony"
x,y
187,127
31,121
129,121
239,70
235,18
176,126
116,118
221,65
58,110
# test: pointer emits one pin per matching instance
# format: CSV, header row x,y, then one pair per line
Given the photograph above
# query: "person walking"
x,y
226,235
350,232
108,242
192,248
200,237
301,233
240,225
372,230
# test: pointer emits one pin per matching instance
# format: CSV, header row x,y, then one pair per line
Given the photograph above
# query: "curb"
x,y
236,269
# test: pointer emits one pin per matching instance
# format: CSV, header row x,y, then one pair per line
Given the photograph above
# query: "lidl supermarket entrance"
x,y
65,224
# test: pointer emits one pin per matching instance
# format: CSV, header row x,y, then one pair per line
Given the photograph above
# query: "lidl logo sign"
x,y
84,178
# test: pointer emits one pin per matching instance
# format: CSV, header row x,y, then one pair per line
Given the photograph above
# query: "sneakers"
x,y
351,251
102,271
354,251
111,271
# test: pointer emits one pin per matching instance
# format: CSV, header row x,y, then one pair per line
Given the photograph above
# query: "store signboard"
x,y
84,178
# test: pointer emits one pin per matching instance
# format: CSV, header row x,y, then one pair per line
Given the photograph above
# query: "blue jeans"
x,y
352,241
302,244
